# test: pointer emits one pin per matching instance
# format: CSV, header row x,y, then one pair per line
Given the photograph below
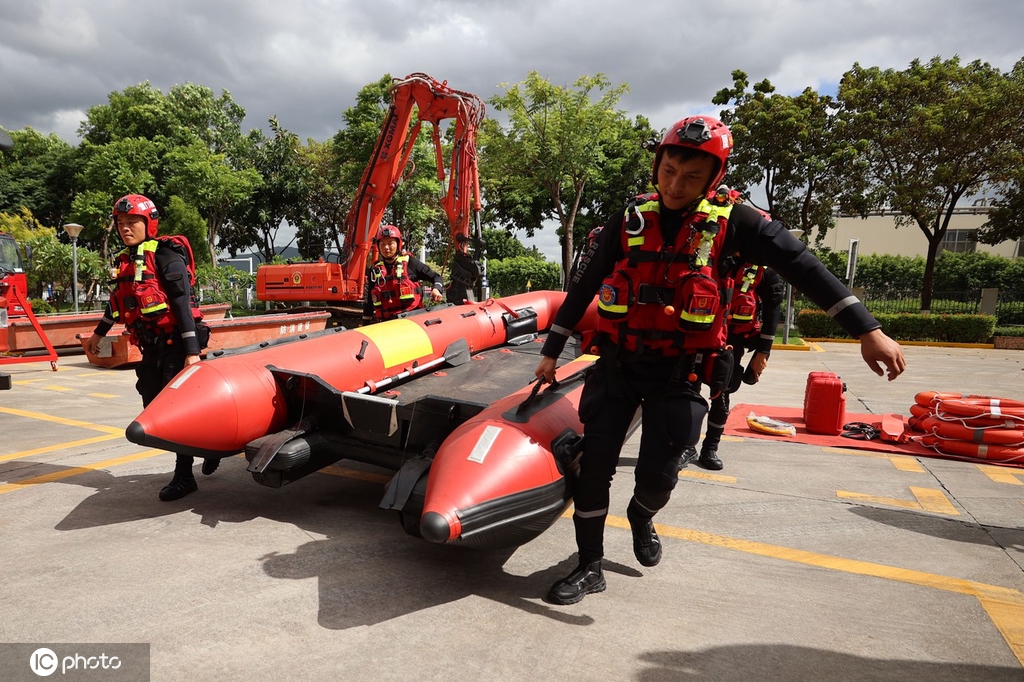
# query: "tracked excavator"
x,y
341,285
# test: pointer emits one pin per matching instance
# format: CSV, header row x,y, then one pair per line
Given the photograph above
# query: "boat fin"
x,y
271,446
457,353
404,482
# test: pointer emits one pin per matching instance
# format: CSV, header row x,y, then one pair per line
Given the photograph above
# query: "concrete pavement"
x,y
794,562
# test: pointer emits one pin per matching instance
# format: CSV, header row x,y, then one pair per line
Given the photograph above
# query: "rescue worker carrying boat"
x,y
394,282
663,296
153,297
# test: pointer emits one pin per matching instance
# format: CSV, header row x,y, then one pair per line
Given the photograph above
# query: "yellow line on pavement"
x,y
704,476
1004,606
61,446
60,420
75,471
355,474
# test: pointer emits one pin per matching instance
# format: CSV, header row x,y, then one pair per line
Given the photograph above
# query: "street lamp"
x,y
789,299
73,230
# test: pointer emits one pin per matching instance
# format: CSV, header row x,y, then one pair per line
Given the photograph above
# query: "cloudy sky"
x,y
305,60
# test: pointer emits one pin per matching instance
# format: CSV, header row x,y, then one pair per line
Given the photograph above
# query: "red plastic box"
x,y
825,403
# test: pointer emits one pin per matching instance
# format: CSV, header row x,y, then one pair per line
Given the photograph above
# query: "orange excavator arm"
x,y
432,102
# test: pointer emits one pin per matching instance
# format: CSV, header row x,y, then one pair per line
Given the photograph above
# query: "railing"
x,y
1009,303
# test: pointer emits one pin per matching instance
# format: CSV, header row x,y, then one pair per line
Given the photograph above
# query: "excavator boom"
x,y
343,283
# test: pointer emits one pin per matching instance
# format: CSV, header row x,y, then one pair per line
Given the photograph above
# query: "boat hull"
x,y
116,350
447,399
65,331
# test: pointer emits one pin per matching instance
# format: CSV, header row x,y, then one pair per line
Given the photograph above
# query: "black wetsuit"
x,y
673,409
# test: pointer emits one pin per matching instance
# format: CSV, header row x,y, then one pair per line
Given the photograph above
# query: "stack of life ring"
x,y
974,427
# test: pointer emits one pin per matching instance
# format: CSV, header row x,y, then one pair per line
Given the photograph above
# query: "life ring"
x,y
959,448
978,406
929,398
918,410
954,431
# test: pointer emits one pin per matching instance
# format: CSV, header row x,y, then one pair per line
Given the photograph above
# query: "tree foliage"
x,y
555,147
791,146
932,135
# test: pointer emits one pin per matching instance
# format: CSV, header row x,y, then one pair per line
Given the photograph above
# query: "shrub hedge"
x,y
906,327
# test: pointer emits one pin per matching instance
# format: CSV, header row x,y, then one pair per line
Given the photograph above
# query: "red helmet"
x,y
698,132
136,204
391,231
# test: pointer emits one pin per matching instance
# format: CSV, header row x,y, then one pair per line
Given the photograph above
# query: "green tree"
x,y
791,147
552,152
187,142
931,135
327,200
502,245
181,218
210,183
279,197
521,273
625,172
38,174
52,263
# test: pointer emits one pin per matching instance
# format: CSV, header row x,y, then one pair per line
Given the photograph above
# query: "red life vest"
x,y
138,297
743,317
393,293
667,298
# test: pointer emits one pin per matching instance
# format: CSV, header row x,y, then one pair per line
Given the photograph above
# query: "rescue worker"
x,y
656,269
758,293
394,282
152,296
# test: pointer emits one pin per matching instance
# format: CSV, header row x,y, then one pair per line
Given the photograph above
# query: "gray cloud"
x,y
304,61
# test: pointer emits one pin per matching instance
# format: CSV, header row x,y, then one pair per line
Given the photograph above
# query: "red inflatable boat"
x,y
442,396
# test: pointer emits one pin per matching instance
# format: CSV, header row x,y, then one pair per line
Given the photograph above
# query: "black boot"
x,y
180,486
709,459
689,454
210,465
578,584
646,544
183,481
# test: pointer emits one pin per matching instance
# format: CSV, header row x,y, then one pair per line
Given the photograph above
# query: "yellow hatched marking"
x,y
901,462
102,395
927,499
75,471
1001,474
57,388
704,476
906,463
398,341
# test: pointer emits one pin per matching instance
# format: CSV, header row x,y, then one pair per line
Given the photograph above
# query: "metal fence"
x,y
1009,303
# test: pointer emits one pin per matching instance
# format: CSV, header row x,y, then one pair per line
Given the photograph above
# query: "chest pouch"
x,y
700,303
744,308
716,369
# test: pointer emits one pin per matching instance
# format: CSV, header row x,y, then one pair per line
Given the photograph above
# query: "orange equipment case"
x,y
824,403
